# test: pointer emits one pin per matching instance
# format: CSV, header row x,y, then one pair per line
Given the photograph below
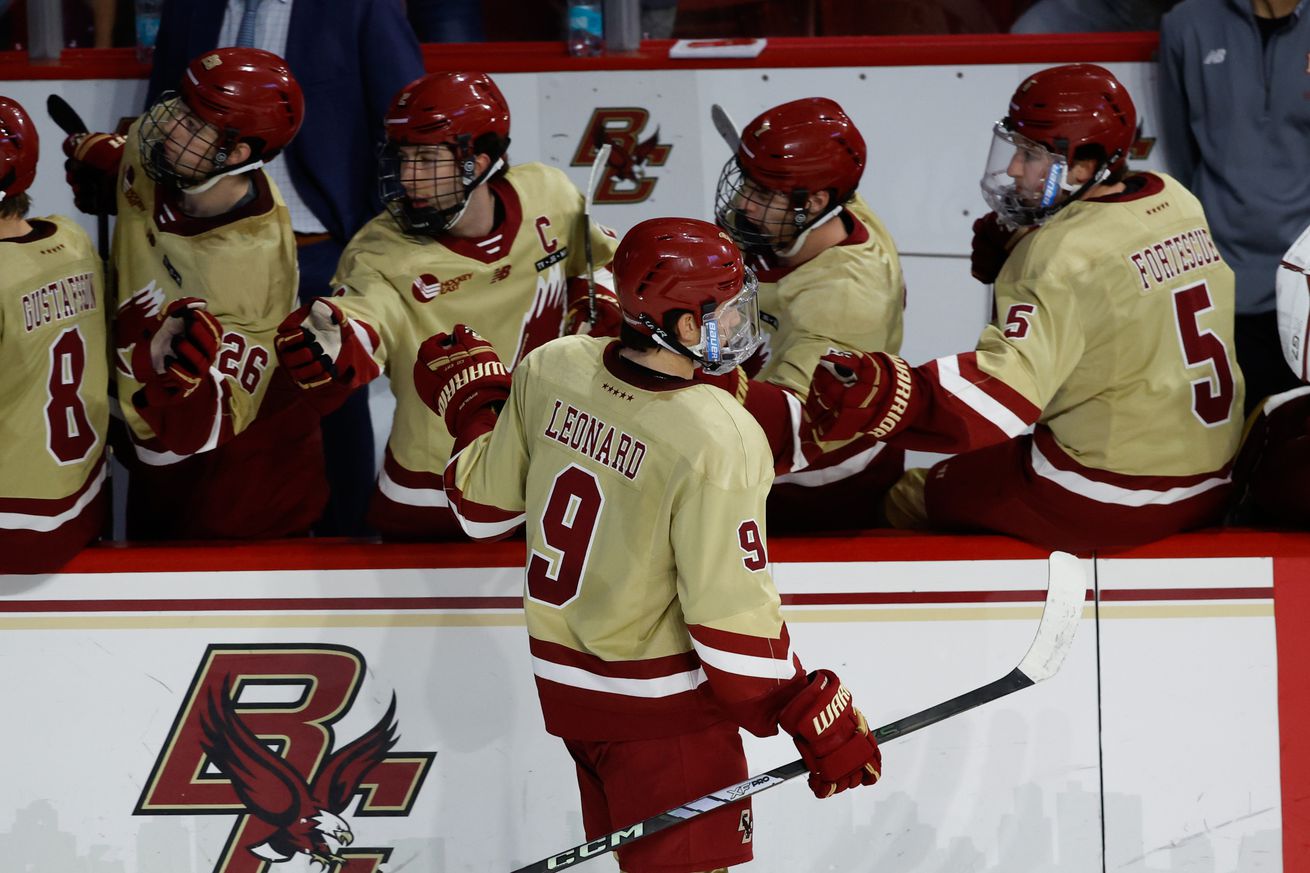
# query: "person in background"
x,y
466,239
351,57
1233,117
1091,16
830,280
653,622
54,378
446,20
1112,340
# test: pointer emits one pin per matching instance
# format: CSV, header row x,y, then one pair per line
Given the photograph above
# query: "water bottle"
x,y
586,28
147,28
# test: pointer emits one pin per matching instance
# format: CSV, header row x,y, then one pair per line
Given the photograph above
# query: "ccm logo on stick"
x,y
595,847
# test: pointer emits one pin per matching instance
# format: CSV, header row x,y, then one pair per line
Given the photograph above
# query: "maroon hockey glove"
x,y
177,358
832,736
300,348
608,315
458,375
992,244
860,392
92,170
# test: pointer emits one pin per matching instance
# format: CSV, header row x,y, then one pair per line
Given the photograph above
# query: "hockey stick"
x,y
598,167
723,124
71,123
1066,592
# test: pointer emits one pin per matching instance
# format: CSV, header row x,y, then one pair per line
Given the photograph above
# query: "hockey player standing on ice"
x,y
53,374
222,445
654,625
464,239
1113,336
830,280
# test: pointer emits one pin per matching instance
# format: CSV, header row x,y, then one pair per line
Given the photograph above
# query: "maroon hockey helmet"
x,y
668,265
19,149
464,112
796,149
1053,116
806,145
1075,105
243,94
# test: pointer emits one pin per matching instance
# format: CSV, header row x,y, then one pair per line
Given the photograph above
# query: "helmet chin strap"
x,y
471,186
213,180
801,237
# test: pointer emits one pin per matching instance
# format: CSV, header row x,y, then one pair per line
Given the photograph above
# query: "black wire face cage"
x,y
178,148
736,191
425,195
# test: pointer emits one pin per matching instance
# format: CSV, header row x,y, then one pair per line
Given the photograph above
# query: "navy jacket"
x,y
350,58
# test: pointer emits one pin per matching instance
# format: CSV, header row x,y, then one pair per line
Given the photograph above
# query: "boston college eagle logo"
x,y
626,180
254,739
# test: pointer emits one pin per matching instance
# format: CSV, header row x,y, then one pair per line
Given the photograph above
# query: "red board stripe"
x,y
536,57
1291,618
418,604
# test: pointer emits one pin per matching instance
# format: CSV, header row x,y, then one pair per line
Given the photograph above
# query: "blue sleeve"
x,y
166,70
1180,148
389,55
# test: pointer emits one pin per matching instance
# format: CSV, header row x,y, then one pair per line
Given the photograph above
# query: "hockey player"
x,y
222,442
1113,336
830,280
1273,468
653,621
464,239
53,373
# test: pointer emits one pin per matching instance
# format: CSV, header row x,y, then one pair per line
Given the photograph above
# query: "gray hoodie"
x,y
1235,120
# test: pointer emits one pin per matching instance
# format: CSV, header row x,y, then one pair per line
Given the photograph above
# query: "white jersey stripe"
x,y
659,686
781,669
46,523
816,476
425,497
794,413
948,370
1104,492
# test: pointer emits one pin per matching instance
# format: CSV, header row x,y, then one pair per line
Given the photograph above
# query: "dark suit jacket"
x,y
350,58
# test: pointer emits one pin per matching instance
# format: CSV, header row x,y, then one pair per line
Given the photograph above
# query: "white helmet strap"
x,y
801,237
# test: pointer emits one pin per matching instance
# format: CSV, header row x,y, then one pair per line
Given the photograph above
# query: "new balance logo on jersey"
x,y
828,715
1215,56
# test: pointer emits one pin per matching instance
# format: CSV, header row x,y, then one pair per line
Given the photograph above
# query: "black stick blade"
x,y
64,115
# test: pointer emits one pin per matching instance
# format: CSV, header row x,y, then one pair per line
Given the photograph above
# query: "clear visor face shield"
x,y
1024,181
730,333
179,148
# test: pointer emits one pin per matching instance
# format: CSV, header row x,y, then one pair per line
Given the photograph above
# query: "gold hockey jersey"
x,y
243,264
246,442
510,286
1114,335
648,596
54,392
849,297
